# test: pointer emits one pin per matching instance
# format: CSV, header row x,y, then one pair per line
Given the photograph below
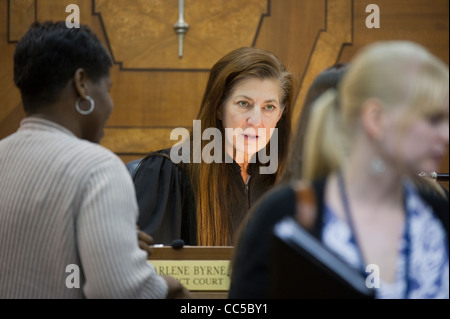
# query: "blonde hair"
x,y
393,72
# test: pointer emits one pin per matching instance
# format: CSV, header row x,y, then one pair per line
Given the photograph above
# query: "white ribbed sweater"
x,y
65,201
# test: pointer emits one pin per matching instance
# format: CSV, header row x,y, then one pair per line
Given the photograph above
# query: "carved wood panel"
x,y
142,37
155,91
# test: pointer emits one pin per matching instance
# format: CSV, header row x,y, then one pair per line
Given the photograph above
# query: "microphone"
x,y
177,244
442,177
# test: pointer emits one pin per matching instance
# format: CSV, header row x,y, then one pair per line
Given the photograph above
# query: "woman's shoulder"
x,y
165,156
282,196
155,160
158,168
162,154
276,203
89,153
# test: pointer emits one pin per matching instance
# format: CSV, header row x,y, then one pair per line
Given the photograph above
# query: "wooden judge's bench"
x,y
204,270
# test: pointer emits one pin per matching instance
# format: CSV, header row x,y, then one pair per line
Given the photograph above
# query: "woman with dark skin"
x,y
77,203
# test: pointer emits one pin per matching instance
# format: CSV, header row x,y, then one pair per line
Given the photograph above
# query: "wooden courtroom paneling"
x,y
155,91
424,22
329,42
23,13
142,36
192,253
137,140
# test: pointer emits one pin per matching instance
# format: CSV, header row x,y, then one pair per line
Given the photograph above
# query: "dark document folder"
x,y
302,267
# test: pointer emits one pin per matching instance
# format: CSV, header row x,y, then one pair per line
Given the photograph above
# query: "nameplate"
x,y
211,275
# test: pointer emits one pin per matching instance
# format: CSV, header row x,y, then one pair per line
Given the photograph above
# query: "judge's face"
x,y
250,112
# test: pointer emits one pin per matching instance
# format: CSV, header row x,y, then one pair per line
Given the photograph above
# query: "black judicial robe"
x,y
166,201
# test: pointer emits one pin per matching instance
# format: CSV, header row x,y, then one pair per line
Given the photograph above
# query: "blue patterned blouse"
x,y
428,275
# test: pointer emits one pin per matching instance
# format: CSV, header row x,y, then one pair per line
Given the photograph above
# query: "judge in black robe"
x,y
166,201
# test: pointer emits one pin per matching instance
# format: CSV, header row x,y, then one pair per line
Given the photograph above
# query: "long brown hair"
x,y
210,182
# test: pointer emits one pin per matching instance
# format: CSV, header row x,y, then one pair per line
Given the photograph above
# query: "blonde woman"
x,y
388,121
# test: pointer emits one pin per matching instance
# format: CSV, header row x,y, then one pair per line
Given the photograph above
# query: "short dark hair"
x,y
48,55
